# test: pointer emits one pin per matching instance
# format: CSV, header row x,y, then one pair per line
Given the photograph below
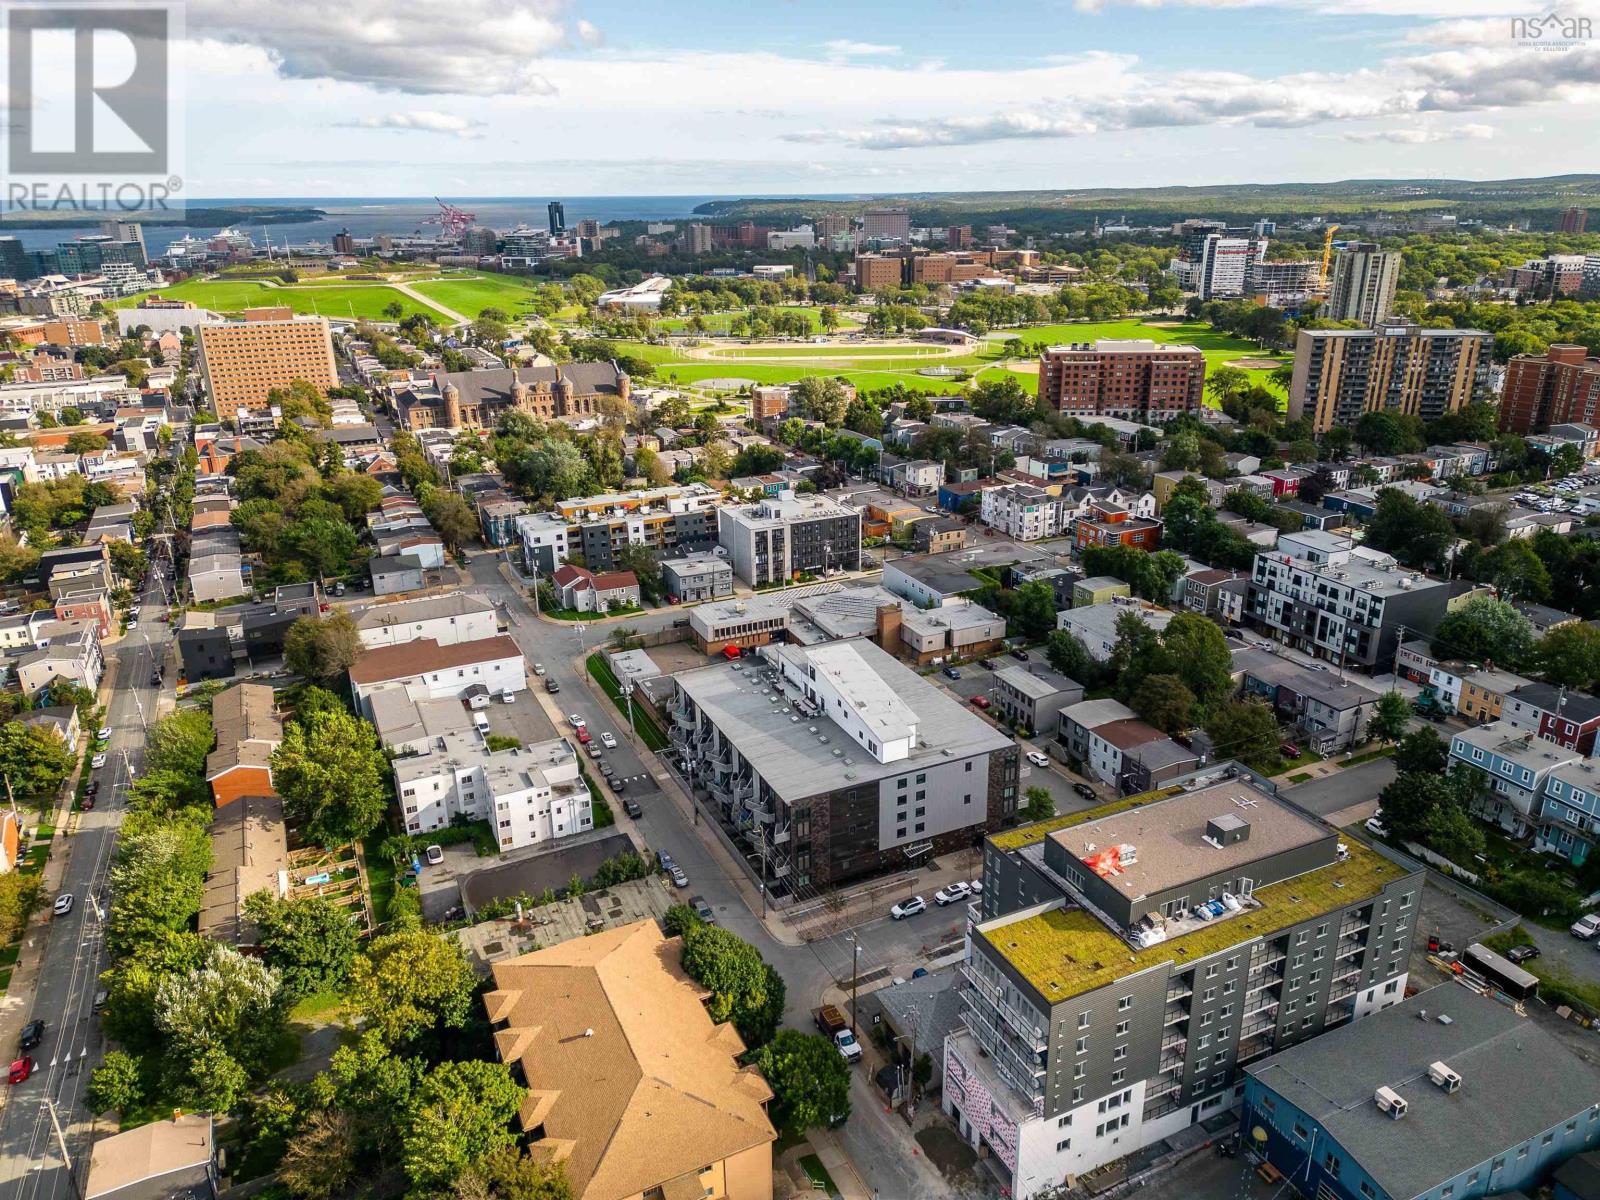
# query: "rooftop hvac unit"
x,y
1390,1102
1444,1076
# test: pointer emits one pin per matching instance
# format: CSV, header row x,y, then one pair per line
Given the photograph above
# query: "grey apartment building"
x,y
1355,609
786,535
838,761
1104,1012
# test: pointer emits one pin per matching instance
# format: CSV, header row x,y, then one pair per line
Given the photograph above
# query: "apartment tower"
x,y
242,361
1362,283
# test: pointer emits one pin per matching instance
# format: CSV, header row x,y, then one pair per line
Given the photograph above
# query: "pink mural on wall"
x,y
971,1096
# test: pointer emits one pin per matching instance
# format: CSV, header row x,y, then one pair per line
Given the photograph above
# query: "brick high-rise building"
x,y
1137,379
1555,388
1573,219
876,272
241,361
1397,366
958,237
1361,284
887,224
697,239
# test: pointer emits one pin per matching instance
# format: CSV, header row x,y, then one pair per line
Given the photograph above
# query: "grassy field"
x,y
720,322
471,294
362,300
891,364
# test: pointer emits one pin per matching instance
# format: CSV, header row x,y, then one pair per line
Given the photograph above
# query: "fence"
x,y
1503,917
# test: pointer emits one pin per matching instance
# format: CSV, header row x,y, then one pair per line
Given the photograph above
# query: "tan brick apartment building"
x,y
241,361
1135,379
1396,366
1554,388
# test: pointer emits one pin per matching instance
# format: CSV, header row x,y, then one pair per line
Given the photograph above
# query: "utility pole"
x,y
61,1142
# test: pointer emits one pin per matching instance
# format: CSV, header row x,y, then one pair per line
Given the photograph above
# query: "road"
x,y
31,1167
885,946
1349,787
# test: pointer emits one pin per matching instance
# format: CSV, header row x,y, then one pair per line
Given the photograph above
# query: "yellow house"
x,y
1484,692
631,1085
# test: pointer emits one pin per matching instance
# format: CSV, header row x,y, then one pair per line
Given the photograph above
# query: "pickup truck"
x,y
845,1040
830,1020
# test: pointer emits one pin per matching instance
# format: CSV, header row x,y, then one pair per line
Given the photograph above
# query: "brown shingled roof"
x,y
631,1082
425,654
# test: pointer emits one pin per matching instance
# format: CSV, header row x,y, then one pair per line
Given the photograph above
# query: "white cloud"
x,y
1349,8
421,121
1422,136
589,34
487,47
845,48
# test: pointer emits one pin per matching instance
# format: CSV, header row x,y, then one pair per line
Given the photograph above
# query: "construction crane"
x,y
1327,256
451,219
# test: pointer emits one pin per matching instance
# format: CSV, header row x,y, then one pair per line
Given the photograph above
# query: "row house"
x,y
1568,718
1515,766
1111,524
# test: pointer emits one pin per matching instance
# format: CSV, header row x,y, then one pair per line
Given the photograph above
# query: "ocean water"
x,y
368,217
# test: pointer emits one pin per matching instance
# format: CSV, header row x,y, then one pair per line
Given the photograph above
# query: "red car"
x,y
21,1069
980,702
1289,750
583,737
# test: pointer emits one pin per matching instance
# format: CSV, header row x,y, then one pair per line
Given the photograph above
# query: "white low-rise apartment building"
x,y
530,796
1019,511
425,670
443,619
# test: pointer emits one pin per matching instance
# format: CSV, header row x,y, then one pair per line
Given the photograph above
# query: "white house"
x,y
429,671
443,619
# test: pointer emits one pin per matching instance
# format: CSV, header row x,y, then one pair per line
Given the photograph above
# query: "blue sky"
x,y
614,97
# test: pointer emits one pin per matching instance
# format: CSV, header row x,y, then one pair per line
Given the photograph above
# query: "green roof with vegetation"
x,y
1065,953
1028,835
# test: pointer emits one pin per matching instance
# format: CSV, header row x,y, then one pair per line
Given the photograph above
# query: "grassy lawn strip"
x,y
380,876
1300,778
821,1181
1369,756
649,732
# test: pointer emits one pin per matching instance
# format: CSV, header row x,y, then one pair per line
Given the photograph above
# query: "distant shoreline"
x,y
203,217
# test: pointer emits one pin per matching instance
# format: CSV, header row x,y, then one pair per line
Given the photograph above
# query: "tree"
x,y
1069,656
115,1083
1420,752
745,990
1163,701
322,647
509,1174
1245,730
1569,656
1419,535
809,1078
1450,830
180,742
355,494
220,1020
1039,804
34,760
19,896
84,442
1391,717
409,984
1486,630
128,561
1199,656
394,310
320,1161
330,772
459,1115
1410,800
1515,570
1033,611
310,941
452,519
819,399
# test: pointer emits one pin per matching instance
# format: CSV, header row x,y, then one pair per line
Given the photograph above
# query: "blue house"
x,y
1446,1096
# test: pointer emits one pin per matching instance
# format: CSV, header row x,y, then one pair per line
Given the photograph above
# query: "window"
x,y
1331,1164
1077,1095
1079,1071
1083,1045
1209,995
1366,1190
1447,1191
1547,1139
1301,1132
1120,1053
1063,1122
1119,1076
1083,1020
1122,1028
1124,1004
1205,1040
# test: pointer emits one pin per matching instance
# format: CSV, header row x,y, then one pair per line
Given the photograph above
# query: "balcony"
x,y
1175,1016
780,837
1264,980
682,720
1178,1043
1182,991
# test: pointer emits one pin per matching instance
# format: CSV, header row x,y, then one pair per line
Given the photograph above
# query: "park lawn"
x,y
672,367
471,294
908,353
360,300
721,321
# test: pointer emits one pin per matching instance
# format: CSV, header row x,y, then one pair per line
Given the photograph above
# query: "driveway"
x,y
1350,788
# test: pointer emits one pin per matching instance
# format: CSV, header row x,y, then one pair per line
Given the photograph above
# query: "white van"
x,y
480,723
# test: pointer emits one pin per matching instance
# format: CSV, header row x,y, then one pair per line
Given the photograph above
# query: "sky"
x,y
779,97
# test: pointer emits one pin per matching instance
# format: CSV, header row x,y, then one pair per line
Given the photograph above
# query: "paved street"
x,y
1349,787
30,1157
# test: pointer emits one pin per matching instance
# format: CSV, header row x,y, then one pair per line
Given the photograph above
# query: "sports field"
x,y
471,294
350,300
720,322
886,365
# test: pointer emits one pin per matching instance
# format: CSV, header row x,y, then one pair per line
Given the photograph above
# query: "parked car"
x,y
88,804
32,1034
551,686
679,879
594,750
20,1070
908,907
631,807
583,736
1020,654
986,663
606,768
976,887
538,668
103,734
830,1020
664,860
980,702
608,741
702,909
1084,790
847,1045
1288,750
98,761
952,894
480,722
952,673
576,721
1376,827
1037,759
616,782
63,904
93,789
1521,954
1585,927
434,855
920,973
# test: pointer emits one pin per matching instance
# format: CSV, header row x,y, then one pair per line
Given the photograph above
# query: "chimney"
x,y
888,627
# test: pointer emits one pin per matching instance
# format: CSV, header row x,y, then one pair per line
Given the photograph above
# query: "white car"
x,y
1585,927
1037,759
538,668
434,855
976,887
104,733
98,761
952,894
1376,827
608,741
576,721
908,908
63,904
